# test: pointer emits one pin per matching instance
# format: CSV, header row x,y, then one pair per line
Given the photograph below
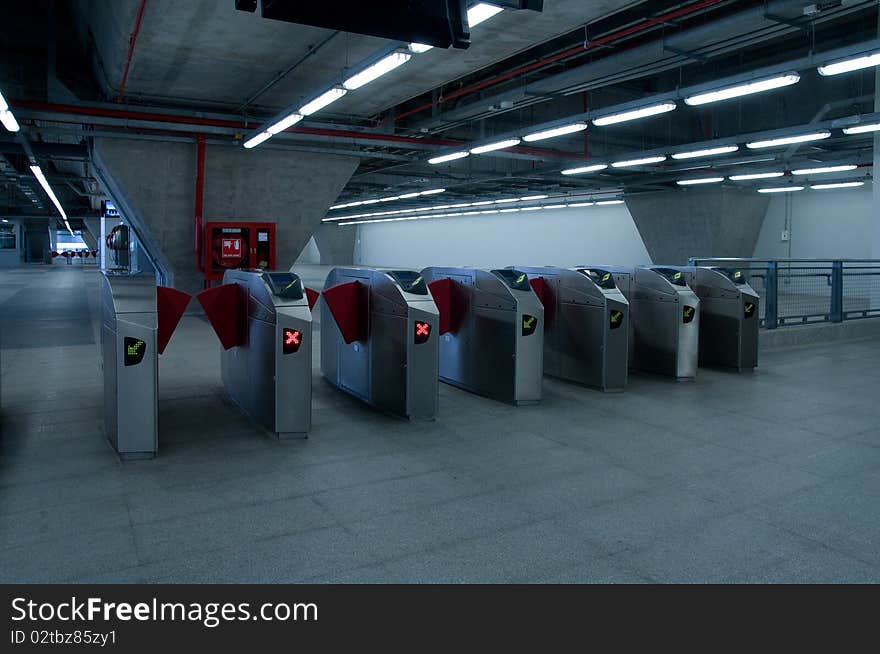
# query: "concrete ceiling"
x,y
207,52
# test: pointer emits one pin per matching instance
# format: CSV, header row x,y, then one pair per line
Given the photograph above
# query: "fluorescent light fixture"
x,y
699,180
407,196
642,112
505,200
781,189
849,65
861,129
582,204
322,100
9,121
390,198
823,187
608,203
533,197
788,140
41,178
498,145
556,131
638,162
481,12
284,123
254,141
553,206
740,90
6,116
727,149
381,67
419,48
433,191
443,158
508,210
585,169
533,208
482,203
748,176
825,169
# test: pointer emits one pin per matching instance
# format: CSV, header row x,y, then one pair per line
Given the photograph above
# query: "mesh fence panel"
x,y
804,293
861,291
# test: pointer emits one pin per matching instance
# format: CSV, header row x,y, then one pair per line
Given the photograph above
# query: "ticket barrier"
x,y
492,333
380,342
664,319
264,322
586,325
138,319
728,316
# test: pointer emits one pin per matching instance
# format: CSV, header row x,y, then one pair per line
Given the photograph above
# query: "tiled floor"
x,y
771,477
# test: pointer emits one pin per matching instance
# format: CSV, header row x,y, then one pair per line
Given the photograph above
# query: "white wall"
x,y
824,225
559,237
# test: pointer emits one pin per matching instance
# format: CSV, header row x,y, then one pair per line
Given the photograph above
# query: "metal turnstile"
x,y
664,319
129,328
269,375
728,316
380,341
586,325
493,341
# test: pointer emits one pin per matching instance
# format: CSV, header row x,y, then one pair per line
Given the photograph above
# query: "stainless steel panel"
x,y
663,338
728,318
130,391
490,354
273,388
580,342
386,369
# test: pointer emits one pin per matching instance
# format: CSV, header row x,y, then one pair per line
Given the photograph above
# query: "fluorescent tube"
x,y
322,101
585,169
381,67
556,131
825,169
642,112
743,89
448,157
727,149
788,140
638,162
481,12
849,65
499,145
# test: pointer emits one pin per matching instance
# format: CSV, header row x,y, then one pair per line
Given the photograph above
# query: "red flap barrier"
x,y
312,297
540,289
348,309
225,308
545,295
450,303
170,304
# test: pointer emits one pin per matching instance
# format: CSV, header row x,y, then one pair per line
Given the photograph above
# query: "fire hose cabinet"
x,y
237,245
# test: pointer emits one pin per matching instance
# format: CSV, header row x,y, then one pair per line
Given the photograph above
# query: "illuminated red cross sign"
x,y
292,339
230,248
423,331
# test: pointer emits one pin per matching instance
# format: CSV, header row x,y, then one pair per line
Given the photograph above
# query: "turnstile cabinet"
x,y
269,375
496,346
728,317
129,327
664,319
381,343
586,325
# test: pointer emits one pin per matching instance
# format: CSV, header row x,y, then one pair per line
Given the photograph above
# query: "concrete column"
x,y
698,222
153,185
875,214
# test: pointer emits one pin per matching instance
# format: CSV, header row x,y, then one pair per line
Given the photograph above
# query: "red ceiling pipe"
x,y
565,54
200,193
131,43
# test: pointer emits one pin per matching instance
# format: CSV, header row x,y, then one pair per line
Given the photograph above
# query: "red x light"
x,y
423,331
291,340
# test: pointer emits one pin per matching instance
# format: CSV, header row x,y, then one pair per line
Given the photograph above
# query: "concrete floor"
x,y
771,477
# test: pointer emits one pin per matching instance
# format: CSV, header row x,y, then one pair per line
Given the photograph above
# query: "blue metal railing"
x,y
799,291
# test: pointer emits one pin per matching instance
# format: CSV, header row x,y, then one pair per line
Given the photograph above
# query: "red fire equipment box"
x,y
237,245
